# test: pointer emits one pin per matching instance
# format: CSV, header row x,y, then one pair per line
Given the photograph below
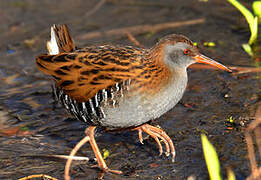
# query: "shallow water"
x,y
211,97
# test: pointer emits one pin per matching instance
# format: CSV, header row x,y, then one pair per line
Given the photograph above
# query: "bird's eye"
x,y
186,51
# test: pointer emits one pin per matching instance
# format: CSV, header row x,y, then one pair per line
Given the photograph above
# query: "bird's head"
x,y
179,52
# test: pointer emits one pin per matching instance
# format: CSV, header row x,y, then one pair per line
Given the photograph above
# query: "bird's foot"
x,y
89,138
157,133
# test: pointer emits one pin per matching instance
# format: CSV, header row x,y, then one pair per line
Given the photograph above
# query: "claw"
x,y
167,146
158,142
173,156
160,146
140,136
157,133
167,139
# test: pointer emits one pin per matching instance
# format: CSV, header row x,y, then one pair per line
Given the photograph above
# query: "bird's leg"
x,y
101,163
89,137
157,133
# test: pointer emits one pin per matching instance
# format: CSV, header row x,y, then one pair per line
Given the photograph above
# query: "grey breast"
x,y
113,107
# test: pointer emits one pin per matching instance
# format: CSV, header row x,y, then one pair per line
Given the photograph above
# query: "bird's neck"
x,y
157,75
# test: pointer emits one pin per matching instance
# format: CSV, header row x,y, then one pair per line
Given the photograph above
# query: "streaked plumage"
x,y
102,77
117,87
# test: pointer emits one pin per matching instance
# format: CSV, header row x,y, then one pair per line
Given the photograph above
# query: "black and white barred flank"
x,y
91,111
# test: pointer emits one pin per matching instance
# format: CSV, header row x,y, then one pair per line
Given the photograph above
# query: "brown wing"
x,y
82,73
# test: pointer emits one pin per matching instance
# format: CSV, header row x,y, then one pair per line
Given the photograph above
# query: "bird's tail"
x,y
58,47
61,40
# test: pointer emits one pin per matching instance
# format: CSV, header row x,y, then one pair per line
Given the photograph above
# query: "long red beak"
x,y
206,60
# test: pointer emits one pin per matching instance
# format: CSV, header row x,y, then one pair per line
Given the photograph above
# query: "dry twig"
x,y
73,152
77,158
95,8
258,139
43,176
139,29
134,40
242,70
256,172
251,153
236,69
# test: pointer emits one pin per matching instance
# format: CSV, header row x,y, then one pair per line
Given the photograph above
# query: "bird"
x,y
117,87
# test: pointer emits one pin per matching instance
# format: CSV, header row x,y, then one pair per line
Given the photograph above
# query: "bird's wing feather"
x,y
82,73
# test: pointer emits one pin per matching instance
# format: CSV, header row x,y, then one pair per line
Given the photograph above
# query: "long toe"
x,y
157,133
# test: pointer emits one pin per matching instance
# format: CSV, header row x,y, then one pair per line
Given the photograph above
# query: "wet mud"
x,y
33,127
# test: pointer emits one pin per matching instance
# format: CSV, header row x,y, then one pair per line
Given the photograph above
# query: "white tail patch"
x,y
52,45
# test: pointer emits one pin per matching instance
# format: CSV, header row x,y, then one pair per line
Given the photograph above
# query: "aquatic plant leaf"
x,y
247,48
211,158
252,22
254,31
195,43
106,153
248,15
209,44
230,174
257,8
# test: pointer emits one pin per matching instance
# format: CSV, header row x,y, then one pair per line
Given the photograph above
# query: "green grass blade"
x,y
230,174
106,153
248,15
211,159
257,8
247,48
254,32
